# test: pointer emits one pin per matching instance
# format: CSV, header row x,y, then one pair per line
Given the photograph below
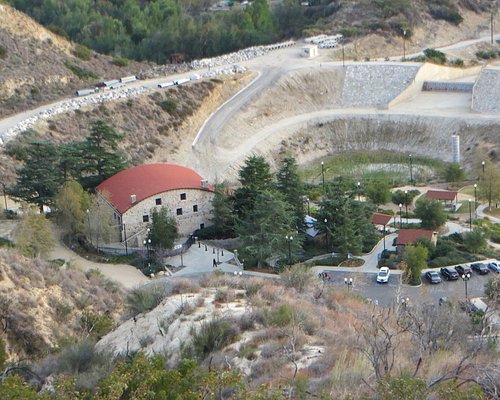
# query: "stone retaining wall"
x,y
486,93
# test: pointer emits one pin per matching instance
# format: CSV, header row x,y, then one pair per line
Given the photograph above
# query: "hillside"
x,y
36,64
44,305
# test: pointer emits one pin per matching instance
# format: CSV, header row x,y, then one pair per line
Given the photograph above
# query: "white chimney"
x,y
133,198
204,183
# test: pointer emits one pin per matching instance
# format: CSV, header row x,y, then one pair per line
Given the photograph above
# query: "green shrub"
x,y
331,261
82,52
458,62
120,61
400,197
58,31
5,242
212,336
435,56
446,12
169,106
80,72
297,277
279,316
96,325
3,52
486,54
145,298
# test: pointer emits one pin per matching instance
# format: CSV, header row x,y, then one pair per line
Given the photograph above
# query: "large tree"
x,y
430,212
415,260
378,192
255,177
289,183
100,225
163,229
223,211
489,183
264,231
38,180
102,158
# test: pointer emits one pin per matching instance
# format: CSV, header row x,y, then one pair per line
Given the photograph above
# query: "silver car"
x,y
494,267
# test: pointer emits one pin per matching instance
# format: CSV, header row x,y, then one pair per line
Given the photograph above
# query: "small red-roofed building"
x,y
442,195
380,220
135,192
407,237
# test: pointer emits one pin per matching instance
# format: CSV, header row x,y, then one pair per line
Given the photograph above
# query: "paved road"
x,y
481,214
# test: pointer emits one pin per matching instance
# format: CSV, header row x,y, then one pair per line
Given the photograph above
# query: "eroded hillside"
x,y
43,305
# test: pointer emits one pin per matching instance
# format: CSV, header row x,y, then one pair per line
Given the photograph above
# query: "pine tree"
x,y
163,229
290,185
223,211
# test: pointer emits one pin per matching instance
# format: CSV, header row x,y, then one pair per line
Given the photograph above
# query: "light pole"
x,y
470,215
323,175
483,165
406,205
308,206
400,216
125,237
405,302
404,44
475,200
465,278
343,54
349,283
411,169
326,231
383,233
289,239
90,231
359,187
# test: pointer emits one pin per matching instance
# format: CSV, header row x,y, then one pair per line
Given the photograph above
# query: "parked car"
x,y
383,275
494,266
449,274
433,277
480,268
468,307
463,269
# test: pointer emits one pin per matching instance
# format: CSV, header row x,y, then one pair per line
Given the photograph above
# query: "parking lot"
x,y
366,285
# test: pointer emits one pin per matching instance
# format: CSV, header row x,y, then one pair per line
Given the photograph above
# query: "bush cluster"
x,y
82,52
82,73
487,54
120,61
3,51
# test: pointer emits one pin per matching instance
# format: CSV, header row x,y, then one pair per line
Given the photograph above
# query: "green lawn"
x,y
373,165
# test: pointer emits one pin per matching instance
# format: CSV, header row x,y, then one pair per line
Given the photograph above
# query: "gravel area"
x,y
485,97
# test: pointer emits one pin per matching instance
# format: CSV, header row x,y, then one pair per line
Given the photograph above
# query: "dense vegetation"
x,y
154,30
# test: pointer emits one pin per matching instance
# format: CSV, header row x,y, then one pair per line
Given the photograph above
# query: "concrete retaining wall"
x,y
432,72
486,93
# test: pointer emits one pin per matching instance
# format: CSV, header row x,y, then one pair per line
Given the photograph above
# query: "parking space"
x,y
365,284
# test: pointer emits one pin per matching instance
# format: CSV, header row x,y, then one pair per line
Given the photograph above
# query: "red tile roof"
x,y
147,180
380,219
441,195
410,236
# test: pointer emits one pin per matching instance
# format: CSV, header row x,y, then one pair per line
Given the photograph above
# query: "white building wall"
x,y
187,223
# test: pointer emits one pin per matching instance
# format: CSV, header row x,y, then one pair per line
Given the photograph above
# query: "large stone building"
x,y
135,192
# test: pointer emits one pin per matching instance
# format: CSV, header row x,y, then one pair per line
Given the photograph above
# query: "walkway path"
x,y
481,214
127,275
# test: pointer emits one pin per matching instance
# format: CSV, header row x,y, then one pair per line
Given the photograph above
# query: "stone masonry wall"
x,y
486,94
187,223
375,85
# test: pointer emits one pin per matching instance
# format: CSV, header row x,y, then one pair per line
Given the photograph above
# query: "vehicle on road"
x,y
463,269
433,277
480,268
383,275
449,274
494,267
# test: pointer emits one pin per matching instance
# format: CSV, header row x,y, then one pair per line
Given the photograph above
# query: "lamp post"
x,y
349,283
411,169
289,239
475,200
470,215
343,54
406,205
483,164
400,216
383,234
359,187
404,44
308,205
90,231
326,231
323,175
405,302
465,278
125,237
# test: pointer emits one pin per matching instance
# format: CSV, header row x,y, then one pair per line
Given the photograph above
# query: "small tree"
x,y
163,229
415,260
431,212
454,173
100,225
474,241
378,192
71,204
34,237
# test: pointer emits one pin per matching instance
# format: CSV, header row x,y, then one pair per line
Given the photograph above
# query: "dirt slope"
x,y
32,67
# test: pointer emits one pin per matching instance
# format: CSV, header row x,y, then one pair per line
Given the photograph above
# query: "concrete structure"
x,y
310,51
455,149
486,89
134,193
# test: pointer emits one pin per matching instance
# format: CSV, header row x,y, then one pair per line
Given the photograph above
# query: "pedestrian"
x,y
214,263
